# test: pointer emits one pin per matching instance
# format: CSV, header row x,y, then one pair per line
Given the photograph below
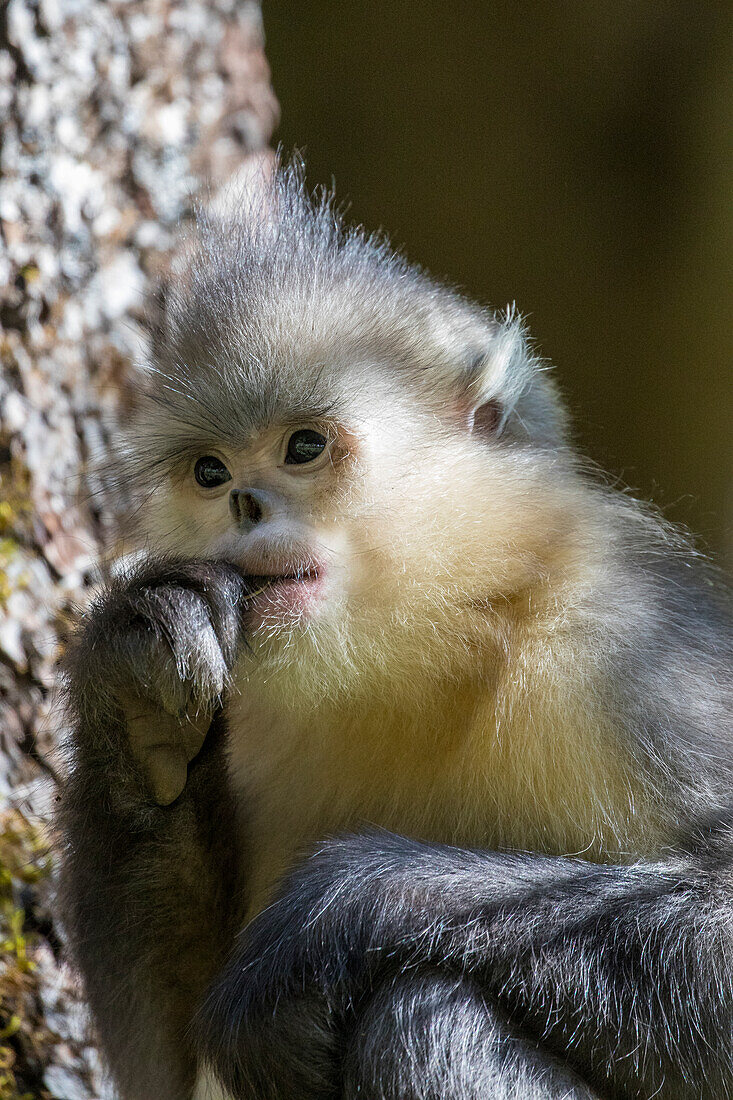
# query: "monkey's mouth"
x,y
284,596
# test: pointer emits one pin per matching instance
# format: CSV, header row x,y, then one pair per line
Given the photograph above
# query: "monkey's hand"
x,y
158,645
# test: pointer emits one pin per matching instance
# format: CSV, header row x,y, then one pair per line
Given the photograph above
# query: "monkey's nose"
x,y
248,506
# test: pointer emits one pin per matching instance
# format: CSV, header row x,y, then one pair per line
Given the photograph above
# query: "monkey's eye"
x,y
304,446
210,471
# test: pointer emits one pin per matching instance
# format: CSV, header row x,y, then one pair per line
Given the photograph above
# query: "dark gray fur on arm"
x,y
150,893
624,974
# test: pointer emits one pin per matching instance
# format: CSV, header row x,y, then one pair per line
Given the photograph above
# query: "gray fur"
x,y
623,973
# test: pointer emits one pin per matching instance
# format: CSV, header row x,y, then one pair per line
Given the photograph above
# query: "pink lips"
x,y
285,598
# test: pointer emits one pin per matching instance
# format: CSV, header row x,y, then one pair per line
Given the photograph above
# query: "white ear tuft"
x,y
508,389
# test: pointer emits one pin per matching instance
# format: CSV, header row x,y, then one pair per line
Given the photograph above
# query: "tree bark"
x,y
113,116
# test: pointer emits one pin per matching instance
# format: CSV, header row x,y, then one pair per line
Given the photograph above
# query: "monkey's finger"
x,y
164,744
148,725
191,734
166,770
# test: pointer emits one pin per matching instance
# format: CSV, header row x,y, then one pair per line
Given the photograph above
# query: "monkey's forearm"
x,y
623,973
152,892
151,905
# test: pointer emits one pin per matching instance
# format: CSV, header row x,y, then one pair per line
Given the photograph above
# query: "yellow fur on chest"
x,y
476,768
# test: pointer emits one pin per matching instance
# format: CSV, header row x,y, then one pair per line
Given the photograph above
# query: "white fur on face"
x,y
419,523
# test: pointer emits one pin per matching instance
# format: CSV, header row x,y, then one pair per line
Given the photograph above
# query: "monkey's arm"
x,y
625,974
150,892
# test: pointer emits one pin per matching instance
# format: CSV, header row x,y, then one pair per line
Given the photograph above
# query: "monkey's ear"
x,y
505,390
492,380
481,412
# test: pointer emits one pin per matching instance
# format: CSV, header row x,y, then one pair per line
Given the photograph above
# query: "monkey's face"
x,y
362,440
382,529
272,506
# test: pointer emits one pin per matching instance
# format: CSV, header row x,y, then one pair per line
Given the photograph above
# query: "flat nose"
x,y
249,506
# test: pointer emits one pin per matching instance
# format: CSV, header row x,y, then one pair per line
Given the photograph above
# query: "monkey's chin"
x,y
284,602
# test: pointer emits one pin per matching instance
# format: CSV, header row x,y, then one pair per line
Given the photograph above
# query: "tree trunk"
x,y
114,114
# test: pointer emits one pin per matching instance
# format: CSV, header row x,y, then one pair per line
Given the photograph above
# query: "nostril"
x,y
245,507
251,507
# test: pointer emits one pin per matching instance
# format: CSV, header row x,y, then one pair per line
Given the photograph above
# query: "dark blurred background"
x,y
572,157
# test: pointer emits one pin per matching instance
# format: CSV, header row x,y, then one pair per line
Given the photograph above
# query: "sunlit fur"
x,y
509,653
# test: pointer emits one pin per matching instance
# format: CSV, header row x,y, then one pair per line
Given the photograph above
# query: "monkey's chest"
x,y
298,781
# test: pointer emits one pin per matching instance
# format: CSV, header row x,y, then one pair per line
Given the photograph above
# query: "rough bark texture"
x,y
113,115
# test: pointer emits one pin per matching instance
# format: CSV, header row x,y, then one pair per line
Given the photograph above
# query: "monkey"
x,y
400,762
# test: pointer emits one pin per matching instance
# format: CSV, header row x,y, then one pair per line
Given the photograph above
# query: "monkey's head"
x,y
362,439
